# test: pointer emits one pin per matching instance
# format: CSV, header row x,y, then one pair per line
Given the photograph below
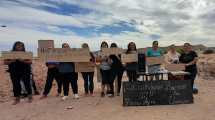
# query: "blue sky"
x,y
93,21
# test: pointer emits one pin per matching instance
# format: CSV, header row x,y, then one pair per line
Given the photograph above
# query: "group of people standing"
x,y
110,68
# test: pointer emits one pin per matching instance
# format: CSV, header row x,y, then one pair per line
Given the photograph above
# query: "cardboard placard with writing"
x,y
174,67
112,51
84,67
45,43
126,58
17,55
154,60
65,55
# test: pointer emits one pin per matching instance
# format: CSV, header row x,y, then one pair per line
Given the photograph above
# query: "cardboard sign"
x,y
161,92
45,43
112,51
174,67
154,60
84,67
65,55
179,73
16,55
126,58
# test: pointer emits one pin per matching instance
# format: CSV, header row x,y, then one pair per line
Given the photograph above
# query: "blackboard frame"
x,y
162,92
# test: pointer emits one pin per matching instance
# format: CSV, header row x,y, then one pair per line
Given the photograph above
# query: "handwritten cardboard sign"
x,y
126,58
65,55
16,55
175,67
45,43
154,60
112,51
84,67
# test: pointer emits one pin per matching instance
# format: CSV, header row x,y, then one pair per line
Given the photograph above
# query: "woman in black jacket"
x,y
189,58
20,69
117,70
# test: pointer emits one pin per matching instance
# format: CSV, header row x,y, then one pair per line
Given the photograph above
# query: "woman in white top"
x,y
172,57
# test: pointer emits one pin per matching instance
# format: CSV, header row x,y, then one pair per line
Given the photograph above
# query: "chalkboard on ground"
x,y
163,92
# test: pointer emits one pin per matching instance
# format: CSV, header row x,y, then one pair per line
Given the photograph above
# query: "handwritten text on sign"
x,y
154,60
126,58
16,55
175,67
65,55
112,51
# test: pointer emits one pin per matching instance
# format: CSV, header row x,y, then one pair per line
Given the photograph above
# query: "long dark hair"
x,y
129,48
16,43
104,43
113,45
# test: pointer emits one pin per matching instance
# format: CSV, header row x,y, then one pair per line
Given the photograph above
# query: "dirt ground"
x,y
97,108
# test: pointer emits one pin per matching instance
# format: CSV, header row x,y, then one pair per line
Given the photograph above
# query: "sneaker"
x,y
76,96
111,95
64,98
102,94
16,101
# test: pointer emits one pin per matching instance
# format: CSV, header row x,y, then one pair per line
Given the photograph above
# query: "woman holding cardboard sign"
x,y
117,70
68,75
88,76
154,52
131,67
20,69
172,56
105,70
190,58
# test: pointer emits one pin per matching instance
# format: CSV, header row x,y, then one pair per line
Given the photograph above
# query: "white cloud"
x,y
29,15
177,21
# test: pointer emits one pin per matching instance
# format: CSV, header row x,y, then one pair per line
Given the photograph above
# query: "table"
x,y
171,75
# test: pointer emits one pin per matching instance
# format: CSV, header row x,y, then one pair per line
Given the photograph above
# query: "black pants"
x,y
52,74
191,77
105,76
132,75
17,86
68,78
33,86
88,81
113,74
